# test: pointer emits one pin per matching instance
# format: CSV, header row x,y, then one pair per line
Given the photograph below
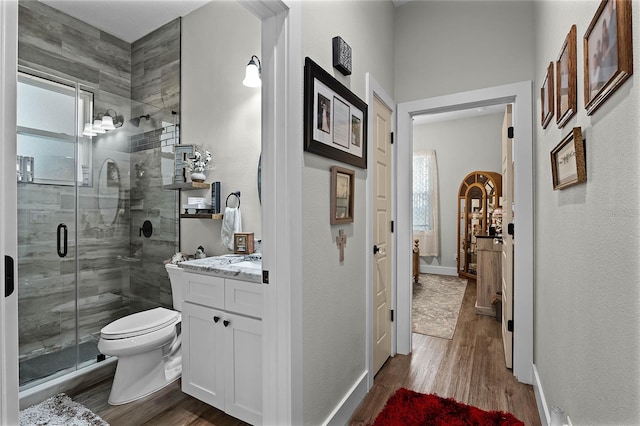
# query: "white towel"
x,y
231,223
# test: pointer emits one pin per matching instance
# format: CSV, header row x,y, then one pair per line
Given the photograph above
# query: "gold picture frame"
x,y
342,192
568,161
608,52
567,80
547,98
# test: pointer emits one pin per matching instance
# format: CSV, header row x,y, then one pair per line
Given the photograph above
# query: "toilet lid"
x,y
139,323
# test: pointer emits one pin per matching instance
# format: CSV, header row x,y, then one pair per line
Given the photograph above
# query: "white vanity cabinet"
x,y
222,344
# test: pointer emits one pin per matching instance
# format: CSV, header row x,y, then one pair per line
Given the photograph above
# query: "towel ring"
x,y
237,195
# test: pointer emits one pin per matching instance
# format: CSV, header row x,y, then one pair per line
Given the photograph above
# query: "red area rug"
x,y
409,408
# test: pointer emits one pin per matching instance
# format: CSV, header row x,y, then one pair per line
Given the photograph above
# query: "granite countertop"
x,y
236,266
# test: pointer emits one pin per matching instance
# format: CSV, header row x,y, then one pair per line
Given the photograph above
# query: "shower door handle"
x,y
62,240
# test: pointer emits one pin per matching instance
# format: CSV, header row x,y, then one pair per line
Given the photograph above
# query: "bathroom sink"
x,y
249,264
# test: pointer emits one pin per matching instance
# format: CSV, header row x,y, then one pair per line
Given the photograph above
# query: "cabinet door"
x,y
243,350
203,364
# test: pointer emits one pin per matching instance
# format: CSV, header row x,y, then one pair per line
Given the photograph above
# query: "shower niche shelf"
x,y
188,186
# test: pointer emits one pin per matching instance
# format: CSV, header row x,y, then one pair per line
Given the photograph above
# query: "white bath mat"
x,y
60,410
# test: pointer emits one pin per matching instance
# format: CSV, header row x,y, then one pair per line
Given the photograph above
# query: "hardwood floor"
x,y
168,406
469,368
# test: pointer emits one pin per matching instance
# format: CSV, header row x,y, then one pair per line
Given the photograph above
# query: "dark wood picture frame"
x,y
342,195
567,80
608,52
568,161
339,134
547,98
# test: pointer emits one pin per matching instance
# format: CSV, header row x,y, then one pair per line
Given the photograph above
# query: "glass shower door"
x,y
49,113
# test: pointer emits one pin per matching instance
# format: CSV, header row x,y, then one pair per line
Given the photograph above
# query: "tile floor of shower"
x,y
37,369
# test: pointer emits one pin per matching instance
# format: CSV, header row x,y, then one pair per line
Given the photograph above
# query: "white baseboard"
x,y
543,408
343,411
438,270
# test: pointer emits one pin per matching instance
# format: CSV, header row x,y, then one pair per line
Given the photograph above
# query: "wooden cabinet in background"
x,y
478,197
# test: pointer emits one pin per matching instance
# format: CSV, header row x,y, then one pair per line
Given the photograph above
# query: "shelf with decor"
x,y
188,186
478,197
213,216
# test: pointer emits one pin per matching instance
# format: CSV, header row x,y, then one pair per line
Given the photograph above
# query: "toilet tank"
x,y
177,277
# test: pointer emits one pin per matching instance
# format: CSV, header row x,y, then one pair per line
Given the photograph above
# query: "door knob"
x,y
226,323
216,319
377,250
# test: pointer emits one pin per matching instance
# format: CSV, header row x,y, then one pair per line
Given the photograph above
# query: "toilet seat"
x,y
140,323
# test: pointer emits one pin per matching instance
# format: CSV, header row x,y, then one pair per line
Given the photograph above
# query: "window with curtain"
x,y
425,202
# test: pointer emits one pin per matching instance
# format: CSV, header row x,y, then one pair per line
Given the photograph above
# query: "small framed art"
x,y
243,243
342,186
608,52
566,80
568,161
546,97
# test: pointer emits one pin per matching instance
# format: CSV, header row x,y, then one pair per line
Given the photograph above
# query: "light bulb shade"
x,y
107,123
88,131
97,126
252,75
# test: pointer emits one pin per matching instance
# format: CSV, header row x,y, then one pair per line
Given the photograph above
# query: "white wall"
x,y
462,146
334,297
444,47
220,113
587,298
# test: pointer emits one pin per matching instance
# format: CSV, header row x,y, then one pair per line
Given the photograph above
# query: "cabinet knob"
x,y
226,323
216,319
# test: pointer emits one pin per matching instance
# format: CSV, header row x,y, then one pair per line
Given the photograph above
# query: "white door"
x,y
507,246
381,234
8,217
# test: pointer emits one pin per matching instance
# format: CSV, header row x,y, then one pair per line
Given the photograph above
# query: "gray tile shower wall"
x,y
109,287
155,68
150,285
52,41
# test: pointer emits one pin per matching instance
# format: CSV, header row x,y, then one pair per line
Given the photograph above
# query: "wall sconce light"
x,y
88,130
103,122
97,126
252,74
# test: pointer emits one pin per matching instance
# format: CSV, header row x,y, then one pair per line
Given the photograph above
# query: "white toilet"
x,y
147,345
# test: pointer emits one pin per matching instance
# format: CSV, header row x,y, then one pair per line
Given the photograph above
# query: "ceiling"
x,y
128,20
458,114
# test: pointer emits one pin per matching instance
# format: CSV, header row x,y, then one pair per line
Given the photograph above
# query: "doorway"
x,y
521,96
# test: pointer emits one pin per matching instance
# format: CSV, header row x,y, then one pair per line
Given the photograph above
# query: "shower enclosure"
x,y
83,198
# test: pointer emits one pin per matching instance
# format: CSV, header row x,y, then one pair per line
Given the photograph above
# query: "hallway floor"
x,y
469,368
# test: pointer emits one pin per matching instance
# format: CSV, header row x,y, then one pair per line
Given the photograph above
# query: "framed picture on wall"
x,y
566,80
342,186
608,52
568,161
334,118
546,97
